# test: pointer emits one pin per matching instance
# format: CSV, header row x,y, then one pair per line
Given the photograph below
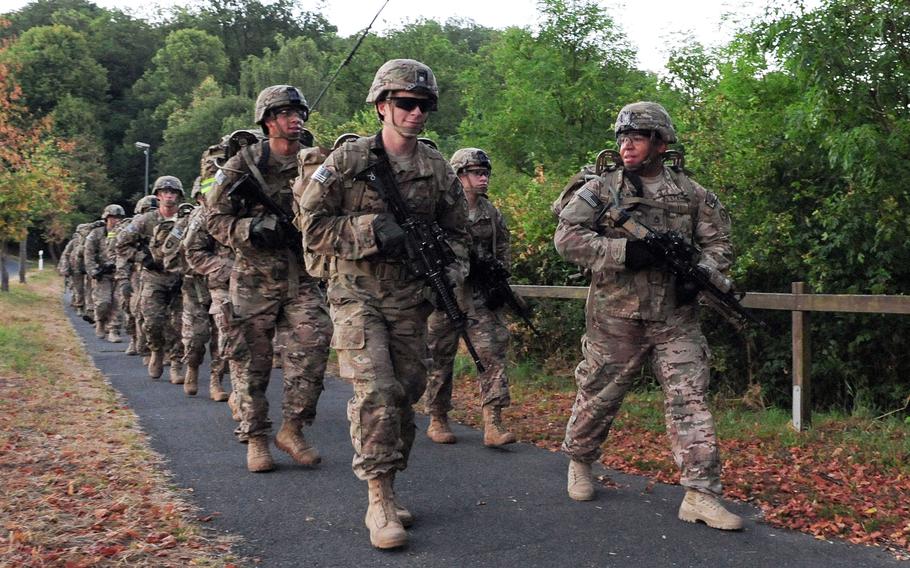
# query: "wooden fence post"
x,y
802,364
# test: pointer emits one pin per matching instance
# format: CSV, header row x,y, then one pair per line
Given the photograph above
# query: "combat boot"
x,y
99,329
191,381
131,348
258,458
290,439
439,430
216,393
234,405
697,506
581,486
156,364
386,530
493,433
405,516
176,373
113,336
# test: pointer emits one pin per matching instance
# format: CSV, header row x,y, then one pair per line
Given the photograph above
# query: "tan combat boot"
x,y
258,458
405,516
234,405
439,430
191,381
697,506
131,348
581,486
176,373
216,393
156,364
99,329
493,433
290,439
113,336
386,530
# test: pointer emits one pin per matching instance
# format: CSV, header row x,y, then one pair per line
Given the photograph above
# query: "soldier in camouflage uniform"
x,y
637,311
82,288
159,296
65,269
100,265
486,328
128,275
269,289
378,306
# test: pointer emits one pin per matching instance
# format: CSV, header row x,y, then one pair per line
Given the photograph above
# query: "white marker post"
x,y
40,260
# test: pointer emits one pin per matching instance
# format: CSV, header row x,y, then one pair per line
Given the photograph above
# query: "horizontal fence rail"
x,y
798,303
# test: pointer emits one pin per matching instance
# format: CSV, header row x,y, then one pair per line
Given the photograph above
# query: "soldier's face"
x,y
285,123
475,179
167,197
636,147
407,121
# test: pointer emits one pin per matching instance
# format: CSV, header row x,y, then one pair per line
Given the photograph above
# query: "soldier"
x,y
379,307
487,328
65,269
160,290
81,281
637,311
127,273
269,289
100,265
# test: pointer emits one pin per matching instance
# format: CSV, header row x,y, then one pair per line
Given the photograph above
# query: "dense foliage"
x,y
801,124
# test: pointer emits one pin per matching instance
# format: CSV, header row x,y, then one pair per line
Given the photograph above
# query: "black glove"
x,y
389,235
97,273
638,255
686,291
266,232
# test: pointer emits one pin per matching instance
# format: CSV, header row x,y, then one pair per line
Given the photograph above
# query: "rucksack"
x,y
308,161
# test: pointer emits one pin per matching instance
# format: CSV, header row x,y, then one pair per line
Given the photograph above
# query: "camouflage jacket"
x,y
135,239
64,267
204,255
679,204
229,219
99,249
489,234
337,212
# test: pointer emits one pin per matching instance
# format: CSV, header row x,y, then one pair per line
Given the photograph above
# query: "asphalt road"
x,y
474,506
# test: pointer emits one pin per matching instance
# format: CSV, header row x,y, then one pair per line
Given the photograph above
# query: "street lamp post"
x,y
145,150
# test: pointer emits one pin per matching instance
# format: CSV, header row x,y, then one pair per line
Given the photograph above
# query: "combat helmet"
x,y
403,75
168,182
645,115
275,97
145,204
113,210
470,157
346,137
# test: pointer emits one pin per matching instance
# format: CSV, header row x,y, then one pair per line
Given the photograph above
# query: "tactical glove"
x,y
389,235
266,232
638,256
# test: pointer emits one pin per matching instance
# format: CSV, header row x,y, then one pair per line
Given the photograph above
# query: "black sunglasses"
x,y
409,104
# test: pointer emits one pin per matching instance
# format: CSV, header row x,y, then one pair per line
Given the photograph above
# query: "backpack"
x,y
308,161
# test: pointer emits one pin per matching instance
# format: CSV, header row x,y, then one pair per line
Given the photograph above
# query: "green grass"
x,y
20,347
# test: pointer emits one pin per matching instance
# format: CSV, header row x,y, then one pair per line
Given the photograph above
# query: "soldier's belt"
x,y
378,270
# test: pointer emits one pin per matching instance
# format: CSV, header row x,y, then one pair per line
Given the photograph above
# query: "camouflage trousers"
x,y
679,357
78,283
221,314
487,331
161,306
196,328
259,308
380,337
88,295
125,297
106,297
136,312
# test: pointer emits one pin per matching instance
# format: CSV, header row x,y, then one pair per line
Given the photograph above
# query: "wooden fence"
x,y
798,302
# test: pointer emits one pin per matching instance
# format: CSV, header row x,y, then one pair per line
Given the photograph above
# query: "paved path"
x,y
474,506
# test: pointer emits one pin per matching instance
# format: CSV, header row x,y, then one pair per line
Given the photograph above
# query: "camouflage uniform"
x,y
379,308
100,266
82,288
269,290
158,297
486,328
633,316
65,268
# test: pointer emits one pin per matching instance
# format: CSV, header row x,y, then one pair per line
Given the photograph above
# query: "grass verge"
x,y
81,487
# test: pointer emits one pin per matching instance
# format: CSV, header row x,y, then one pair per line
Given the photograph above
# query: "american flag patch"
x,y
322,174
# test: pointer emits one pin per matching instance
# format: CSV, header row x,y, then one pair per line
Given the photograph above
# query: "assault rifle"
x,y
492,279
428,252
106,268
680,257
247,188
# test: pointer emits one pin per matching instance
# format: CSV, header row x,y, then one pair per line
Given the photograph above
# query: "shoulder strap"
x,y
246,154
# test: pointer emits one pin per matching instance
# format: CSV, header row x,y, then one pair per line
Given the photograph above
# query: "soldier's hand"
x,y
389,235
638,256
97,273
266,232
686,291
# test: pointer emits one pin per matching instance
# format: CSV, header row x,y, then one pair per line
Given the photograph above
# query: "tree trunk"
x,y
4,275
23,254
